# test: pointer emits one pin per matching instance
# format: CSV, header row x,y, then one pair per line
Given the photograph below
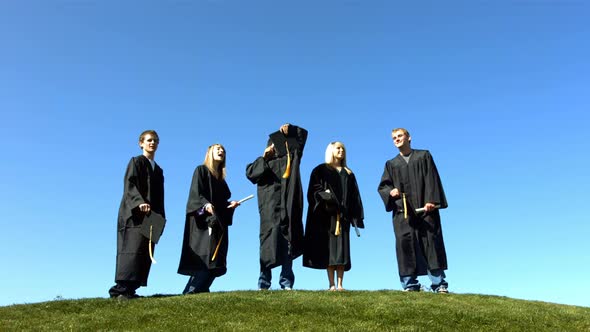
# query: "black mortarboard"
x,y
153,226
279,139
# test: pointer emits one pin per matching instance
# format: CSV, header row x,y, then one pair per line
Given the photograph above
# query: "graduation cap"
x,y
279,139
152,228
282,145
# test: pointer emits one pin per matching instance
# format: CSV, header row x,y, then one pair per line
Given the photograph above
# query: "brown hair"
x,y
403,130
150,132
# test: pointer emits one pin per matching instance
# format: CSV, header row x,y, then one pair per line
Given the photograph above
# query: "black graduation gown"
x,y
419,239
280,201
141,185
198,246
322,246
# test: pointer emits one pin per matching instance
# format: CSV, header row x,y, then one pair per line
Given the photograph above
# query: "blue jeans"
x,y
437,278
287,278
199,283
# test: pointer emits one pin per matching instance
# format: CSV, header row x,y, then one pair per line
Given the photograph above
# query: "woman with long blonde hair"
x,y
209,213
334,206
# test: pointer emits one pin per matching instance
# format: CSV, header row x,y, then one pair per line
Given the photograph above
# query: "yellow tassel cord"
x,y
337,223
217,248
405,206
150,249
288,169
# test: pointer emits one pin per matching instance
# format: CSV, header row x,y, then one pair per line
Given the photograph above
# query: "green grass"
x,y
298,311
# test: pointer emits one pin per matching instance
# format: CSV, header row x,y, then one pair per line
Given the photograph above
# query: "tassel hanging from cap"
x,y
150,248
337,232
217,248
405,206
288,168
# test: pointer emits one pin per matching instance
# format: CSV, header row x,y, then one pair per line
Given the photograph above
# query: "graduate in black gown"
x,y
143,194
410,181
334,207
280,202
209,213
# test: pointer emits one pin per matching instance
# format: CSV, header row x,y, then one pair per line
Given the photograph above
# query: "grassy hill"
x,y
297,311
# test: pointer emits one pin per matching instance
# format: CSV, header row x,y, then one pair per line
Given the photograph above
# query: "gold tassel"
x,y
217,248
150,249
288,169
405,206
337,223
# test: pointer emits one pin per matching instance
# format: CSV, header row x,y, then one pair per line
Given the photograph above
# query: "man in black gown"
x,y
143,194
280,202
410,181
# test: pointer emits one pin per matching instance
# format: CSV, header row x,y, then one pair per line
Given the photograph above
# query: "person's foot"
x,y
340,289
287,288
442,290
412,290
332,288
125,297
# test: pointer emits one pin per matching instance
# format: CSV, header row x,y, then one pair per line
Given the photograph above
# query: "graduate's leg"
x,y
439,284
265,277
340,275
208,282
410,283
287,279
189,288
331,270
198,283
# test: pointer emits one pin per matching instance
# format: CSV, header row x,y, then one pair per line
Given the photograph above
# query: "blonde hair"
x,y
330,155
220,171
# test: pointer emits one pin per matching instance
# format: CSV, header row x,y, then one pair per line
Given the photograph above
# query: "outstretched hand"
x,y
233,205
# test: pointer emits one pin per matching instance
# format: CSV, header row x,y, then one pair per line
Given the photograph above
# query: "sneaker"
x,y
412,290
287,288
442,290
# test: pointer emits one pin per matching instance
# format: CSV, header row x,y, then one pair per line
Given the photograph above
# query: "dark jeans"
x,y
437,278
199,283
287,277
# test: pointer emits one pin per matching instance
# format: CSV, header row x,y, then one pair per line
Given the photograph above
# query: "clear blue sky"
x,y
498,91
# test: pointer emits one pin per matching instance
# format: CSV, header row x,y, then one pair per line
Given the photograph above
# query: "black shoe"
x,y
412,290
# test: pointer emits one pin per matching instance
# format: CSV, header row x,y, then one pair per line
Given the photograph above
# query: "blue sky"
x,y
498,91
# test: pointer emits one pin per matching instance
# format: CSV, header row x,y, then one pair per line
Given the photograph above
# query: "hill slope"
x,y
299,310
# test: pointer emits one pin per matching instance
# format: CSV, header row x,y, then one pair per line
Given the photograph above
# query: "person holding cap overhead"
x,y
143,200
280,202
